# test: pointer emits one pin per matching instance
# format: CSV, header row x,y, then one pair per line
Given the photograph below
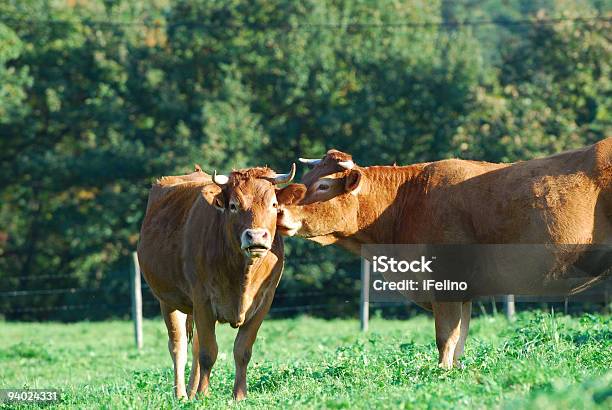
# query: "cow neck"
x,y
388,192
240,278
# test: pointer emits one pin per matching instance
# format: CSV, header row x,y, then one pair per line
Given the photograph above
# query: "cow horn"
x,y
284,178
347,164
310,162
219,179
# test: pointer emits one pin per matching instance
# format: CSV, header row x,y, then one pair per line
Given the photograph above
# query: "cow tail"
x,y
189,326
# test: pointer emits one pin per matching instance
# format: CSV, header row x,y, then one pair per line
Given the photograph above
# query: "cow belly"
x,y
538,270
176,300
166,287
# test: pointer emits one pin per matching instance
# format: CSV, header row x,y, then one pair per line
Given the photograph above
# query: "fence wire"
x,y
77,303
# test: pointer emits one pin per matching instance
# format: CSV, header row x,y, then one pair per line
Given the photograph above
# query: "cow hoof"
x,y
201,395
239,396
459,365
445,366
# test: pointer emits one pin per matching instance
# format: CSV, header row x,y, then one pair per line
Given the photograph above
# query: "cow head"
x,y
327,201
248,202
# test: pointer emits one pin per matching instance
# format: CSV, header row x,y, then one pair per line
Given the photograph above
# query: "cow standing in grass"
x,y
561,199
208,251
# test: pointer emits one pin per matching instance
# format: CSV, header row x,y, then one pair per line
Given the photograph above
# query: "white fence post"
x,y
364,304
510,308
136,301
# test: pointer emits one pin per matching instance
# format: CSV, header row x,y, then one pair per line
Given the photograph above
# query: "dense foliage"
x,y
97,98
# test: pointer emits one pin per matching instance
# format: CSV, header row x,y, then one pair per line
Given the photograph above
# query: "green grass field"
x,y
538,361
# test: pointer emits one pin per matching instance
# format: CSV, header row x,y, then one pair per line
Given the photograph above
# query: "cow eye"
x,y
323,187
233,207
274,204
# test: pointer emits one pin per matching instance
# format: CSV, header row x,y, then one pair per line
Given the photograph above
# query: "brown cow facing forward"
x,y
561,199
209,251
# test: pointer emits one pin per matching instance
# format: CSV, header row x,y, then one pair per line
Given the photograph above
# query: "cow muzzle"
x,y
255,242
286,225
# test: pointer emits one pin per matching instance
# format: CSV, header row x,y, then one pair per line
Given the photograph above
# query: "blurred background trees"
x,y
100,97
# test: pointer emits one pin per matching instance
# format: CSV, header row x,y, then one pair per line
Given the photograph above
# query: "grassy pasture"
x,y
538,361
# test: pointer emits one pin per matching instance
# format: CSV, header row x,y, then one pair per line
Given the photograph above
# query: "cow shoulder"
x,y
170,201
165,185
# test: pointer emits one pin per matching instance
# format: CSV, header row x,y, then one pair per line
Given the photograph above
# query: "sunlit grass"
x,y
537,361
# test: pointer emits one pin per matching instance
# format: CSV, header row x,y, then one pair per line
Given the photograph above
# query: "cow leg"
x,y
194,378
466,315
177,345
207,342
243,347
447,316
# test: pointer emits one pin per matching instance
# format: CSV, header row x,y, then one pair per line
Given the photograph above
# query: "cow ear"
x,y
352,182
219,202
290,194
214,196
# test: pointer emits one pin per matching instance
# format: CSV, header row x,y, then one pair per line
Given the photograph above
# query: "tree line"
x,y
100,97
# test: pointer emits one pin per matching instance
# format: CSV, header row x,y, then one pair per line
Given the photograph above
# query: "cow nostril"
x,y
256,235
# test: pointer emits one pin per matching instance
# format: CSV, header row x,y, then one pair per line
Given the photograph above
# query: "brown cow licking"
x,y
208,250
561,199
